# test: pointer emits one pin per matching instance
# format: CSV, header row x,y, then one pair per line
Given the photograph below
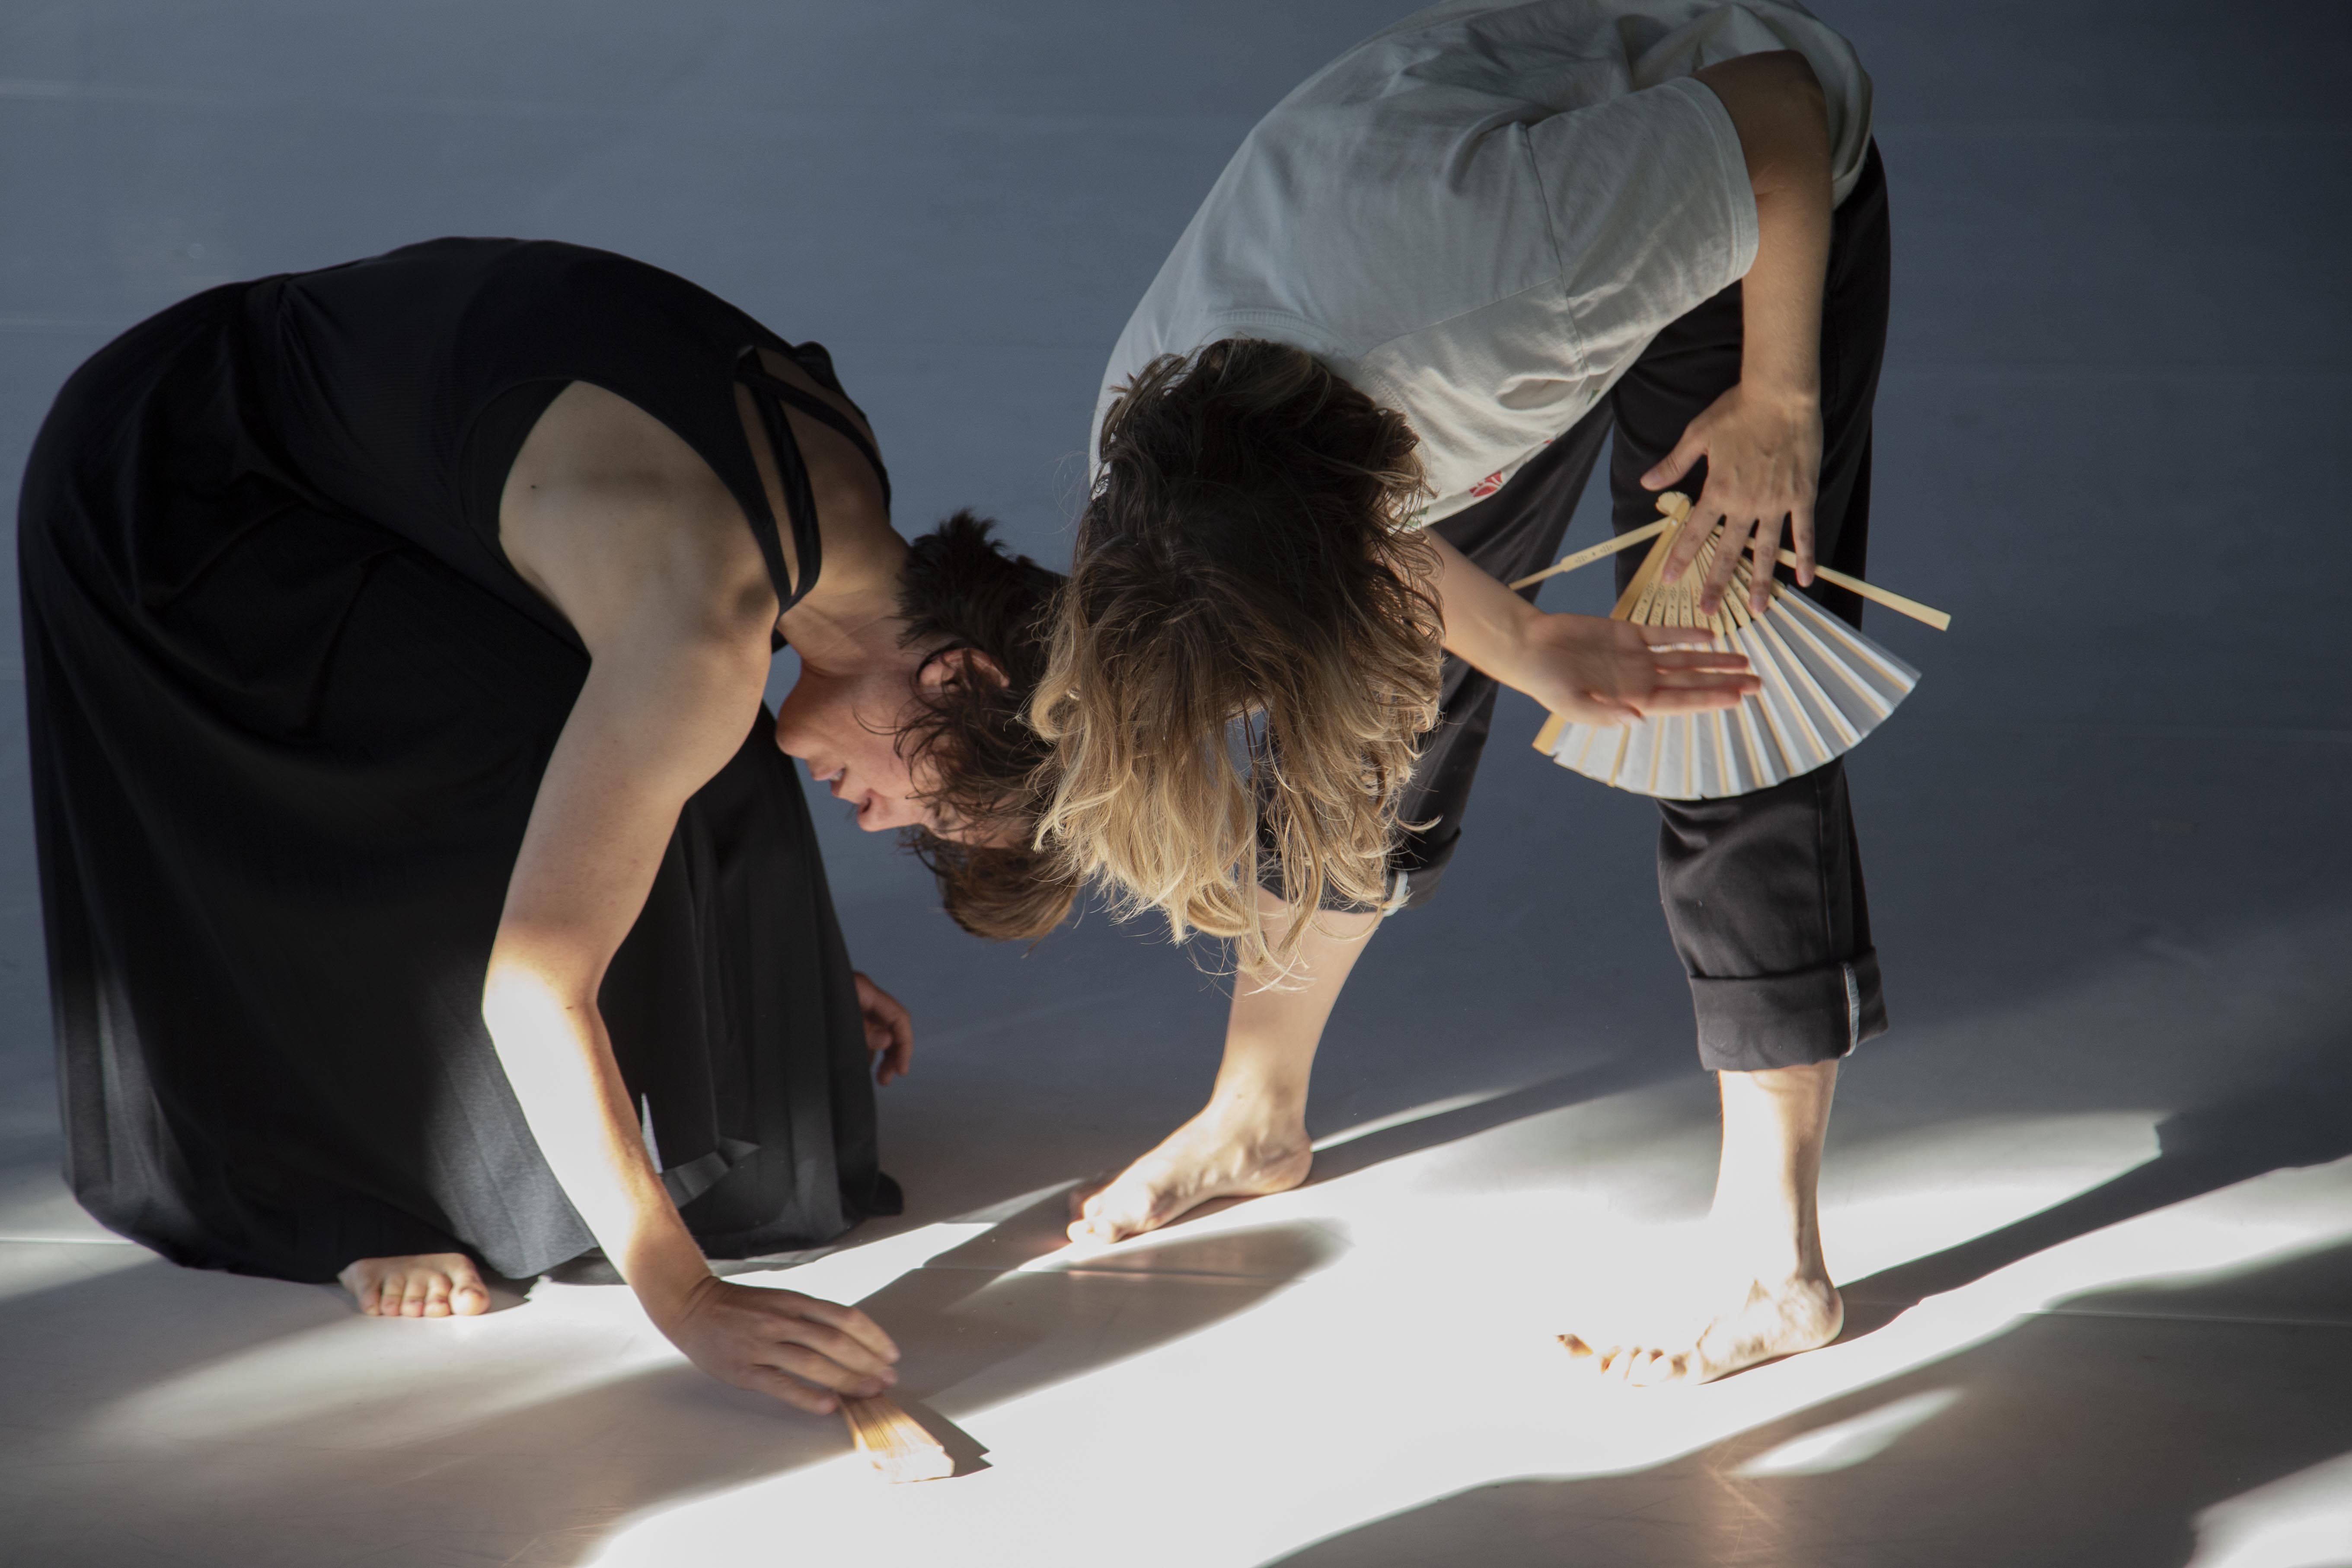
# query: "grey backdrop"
x,y
2110,442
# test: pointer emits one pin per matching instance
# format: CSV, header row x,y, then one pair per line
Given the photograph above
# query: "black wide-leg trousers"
x,y
1763,892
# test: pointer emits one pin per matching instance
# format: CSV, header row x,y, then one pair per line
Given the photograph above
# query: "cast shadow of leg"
x,y
979,1325
2305,1118
1615,1076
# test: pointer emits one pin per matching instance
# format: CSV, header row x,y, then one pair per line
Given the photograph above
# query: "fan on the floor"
x,y
1825,685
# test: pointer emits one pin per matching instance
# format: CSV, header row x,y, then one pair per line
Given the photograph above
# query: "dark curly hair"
x,y
971,737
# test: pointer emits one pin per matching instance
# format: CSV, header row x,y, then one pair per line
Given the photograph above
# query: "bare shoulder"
x,y
627,532
852,512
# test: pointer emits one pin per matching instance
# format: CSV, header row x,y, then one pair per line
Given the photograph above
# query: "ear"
x,y
962,667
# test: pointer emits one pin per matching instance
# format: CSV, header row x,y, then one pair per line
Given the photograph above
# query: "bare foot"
x,y
1799,1313
1238,1151
427,1285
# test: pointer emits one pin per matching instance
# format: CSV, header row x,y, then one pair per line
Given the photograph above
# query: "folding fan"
x,y
1825,685
894,1441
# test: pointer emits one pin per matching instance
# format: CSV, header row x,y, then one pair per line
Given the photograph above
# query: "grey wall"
x,y
2109,442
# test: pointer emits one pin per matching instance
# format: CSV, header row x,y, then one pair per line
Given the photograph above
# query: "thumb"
x,y
1676,463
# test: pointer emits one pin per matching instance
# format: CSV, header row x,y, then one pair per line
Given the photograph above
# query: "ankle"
x,y
1772,1246
1261,1105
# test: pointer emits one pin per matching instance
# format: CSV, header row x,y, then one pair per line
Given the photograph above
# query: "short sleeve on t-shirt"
x,y
1482,215
1651,208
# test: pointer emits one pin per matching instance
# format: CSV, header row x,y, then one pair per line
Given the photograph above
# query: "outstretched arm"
x,y
1592,669
645,552
1762,439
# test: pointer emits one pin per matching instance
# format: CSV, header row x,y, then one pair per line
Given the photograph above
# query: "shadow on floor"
x,y
536,1467
2304,1118
2070,1441
1618,1075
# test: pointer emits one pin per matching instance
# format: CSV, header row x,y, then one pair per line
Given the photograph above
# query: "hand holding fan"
x,y
1825,685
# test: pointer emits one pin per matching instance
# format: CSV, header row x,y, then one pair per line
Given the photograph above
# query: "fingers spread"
x,y
1762,558
1676,463
1719,570
1696,530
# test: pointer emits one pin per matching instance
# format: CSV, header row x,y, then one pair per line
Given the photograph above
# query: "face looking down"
x,y
847,726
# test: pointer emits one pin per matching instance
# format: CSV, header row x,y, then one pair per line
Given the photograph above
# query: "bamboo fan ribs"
x,y
894,1441
1826,686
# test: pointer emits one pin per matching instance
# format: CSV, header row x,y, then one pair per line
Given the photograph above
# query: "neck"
x,y
850,618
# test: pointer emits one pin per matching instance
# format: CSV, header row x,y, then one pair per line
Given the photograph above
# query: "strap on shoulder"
x,y
752,373
791,476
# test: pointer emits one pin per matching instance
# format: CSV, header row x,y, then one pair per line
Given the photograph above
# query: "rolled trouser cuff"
x,y
1753,1022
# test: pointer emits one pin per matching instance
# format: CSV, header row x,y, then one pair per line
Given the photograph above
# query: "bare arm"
x,y
628,533
1762,442
1593,670
652,723
1762,439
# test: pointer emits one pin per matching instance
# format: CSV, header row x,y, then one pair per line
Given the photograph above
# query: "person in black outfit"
x,y
423,893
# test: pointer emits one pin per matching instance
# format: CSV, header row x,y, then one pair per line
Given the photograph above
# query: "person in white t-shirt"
x,y
1365,392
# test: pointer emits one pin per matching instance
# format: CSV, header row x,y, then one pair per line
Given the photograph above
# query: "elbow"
x,y
1801,82
1782,76
1779,112
1804,105
528,1009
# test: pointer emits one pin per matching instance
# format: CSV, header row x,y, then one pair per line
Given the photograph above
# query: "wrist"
x,y
1505,647
666,1279
1528,663
1786,388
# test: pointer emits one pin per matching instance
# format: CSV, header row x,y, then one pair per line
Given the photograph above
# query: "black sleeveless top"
x,y
418,429
289,707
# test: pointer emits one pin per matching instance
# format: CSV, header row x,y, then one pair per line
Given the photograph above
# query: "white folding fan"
x,y
1825,685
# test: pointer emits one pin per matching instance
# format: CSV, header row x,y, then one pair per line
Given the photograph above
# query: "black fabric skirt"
x,y
283,756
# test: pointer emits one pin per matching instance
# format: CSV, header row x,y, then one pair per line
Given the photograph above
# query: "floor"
x,y
2091,1199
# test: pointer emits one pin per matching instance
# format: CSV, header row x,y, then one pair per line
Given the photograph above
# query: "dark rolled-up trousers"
x,y
1763,892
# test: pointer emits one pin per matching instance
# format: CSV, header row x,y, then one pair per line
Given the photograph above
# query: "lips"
x,y
862,800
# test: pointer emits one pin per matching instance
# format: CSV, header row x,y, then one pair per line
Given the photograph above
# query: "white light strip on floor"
x,y
1846,1444
1407,1117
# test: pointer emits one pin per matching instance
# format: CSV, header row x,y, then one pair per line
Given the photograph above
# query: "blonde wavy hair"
x,y
1246,653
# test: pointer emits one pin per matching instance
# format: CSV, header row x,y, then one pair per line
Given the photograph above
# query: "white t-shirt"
x,y
1482,215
